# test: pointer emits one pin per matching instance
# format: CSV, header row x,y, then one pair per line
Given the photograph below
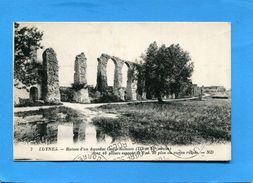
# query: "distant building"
x,y
213,89
218,92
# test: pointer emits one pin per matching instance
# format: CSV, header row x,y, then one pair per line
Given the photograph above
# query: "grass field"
x,y
181,123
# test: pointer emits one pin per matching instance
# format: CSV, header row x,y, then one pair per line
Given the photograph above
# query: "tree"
x,y
182,70
140,78
167,70
26,42
148,68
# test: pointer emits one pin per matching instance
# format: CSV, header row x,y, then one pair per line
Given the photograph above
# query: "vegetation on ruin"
x,y
175,123
26,42
108,98
30,103
78,86
165,70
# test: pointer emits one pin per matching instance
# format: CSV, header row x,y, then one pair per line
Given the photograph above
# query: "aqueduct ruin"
x,y
118,90
49,89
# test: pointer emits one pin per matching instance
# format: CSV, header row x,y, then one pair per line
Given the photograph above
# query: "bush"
x,y
66,94
30,103
79,86
107,98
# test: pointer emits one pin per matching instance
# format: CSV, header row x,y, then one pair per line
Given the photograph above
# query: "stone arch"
x,y
102,84
125,69
118,87
117,84
34,93
110,68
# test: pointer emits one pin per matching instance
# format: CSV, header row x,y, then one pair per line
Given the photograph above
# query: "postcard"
x,y
121,91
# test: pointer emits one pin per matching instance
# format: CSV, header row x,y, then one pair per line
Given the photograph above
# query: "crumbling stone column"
x,y
80,94
80,69
102,73
131,93
117,86
50,78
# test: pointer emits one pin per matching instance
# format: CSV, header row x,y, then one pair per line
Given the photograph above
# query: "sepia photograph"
x,y
121,91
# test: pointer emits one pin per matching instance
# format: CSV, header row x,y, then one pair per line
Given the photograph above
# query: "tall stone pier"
x,y
80,94
117,84
50,78
80,69
131,93
102,73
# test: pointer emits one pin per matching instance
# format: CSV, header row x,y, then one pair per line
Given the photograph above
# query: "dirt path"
x,y
83,107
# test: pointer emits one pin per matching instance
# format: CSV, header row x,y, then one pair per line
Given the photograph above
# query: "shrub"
x,y
107,98
79,86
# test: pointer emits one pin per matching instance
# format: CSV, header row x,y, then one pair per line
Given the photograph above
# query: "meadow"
x,y
174,123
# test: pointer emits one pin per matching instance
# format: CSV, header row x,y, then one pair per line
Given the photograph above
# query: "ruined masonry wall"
x,y
102,85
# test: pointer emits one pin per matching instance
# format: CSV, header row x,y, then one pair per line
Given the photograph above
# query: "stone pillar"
x,y
80,69
131,93
50,79
117,85
102,73
81,93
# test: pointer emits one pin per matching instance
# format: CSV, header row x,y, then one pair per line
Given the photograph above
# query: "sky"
x,y
208,45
